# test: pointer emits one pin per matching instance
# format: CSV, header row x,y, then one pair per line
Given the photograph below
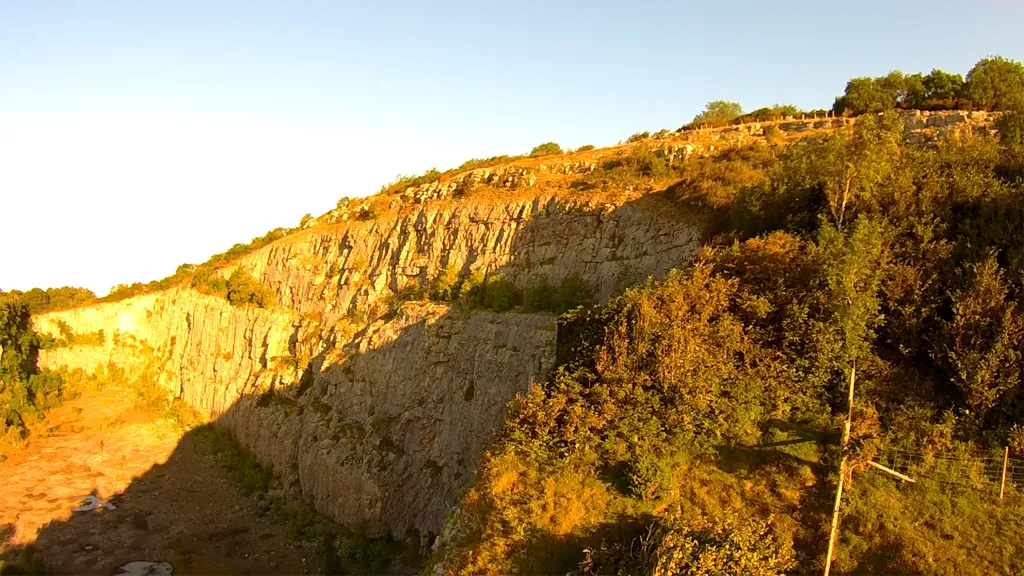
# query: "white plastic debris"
x,y
90,503
139,568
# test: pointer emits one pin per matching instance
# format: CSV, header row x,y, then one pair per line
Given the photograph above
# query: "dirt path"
x,y
173,500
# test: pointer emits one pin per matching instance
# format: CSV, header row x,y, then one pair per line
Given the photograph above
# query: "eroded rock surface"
x,y
378,421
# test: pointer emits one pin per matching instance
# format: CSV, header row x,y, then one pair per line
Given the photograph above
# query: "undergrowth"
x,y
691,426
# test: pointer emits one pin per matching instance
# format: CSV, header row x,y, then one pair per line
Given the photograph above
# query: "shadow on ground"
x,y
187,512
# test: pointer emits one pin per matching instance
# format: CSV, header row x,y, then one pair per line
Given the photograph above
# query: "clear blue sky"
x,y
135,136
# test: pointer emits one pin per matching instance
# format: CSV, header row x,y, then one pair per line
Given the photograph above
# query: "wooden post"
x,y
1006,460
842,473
888,470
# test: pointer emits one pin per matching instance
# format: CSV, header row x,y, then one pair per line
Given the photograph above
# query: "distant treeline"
x,y
994,83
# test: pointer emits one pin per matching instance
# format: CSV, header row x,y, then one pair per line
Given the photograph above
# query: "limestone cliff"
x,y
380,420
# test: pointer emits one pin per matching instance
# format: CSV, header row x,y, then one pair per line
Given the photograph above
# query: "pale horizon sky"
x,y
136,136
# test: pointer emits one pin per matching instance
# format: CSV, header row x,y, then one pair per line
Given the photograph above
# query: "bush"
x,y
494,292
445,286
720,547
243,289
500,295
403,181
638,136
541,297
646,476
573,292
465,187
546,149
585,148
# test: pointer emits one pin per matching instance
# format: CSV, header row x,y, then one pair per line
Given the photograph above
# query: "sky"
x,y
137,136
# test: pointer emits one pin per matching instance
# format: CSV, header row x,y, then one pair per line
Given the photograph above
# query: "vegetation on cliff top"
x,y
994,83
691,425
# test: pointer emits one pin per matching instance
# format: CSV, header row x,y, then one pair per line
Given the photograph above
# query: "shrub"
x,y
403,181
720,547
445,286
585,148
638,136
500,295
368,212
546,149
646,475
465,187
494,292
471,291
542,296
573,292
243,289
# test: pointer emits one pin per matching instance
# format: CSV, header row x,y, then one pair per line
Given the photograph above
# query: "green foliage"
x,y
403,181
573,292
492,292
646,475
776,112
638,136
940,90
639,165
721,547
541,296
445,286
546,149
585,148
718,113
42,301
69,338
243,289
996,83
866,95
499,294
25,390
475,163
851,248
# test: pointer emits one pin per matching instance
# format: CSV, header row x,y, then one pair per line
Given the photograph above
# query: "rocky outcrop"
x,y
529,239
379,425
374,411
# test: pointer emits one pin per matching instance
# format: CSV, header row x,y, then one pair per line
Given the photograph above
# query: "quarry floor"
x,y
172,499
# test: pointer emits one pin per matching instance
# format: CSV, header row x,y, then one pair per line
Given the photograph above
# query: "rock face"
x,y
378,421
349,266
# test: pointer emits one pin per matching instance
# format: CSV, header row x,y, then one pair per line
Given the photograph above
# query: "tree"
x,y
866,95
850,170
996,83
718,113
546,149
942,86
